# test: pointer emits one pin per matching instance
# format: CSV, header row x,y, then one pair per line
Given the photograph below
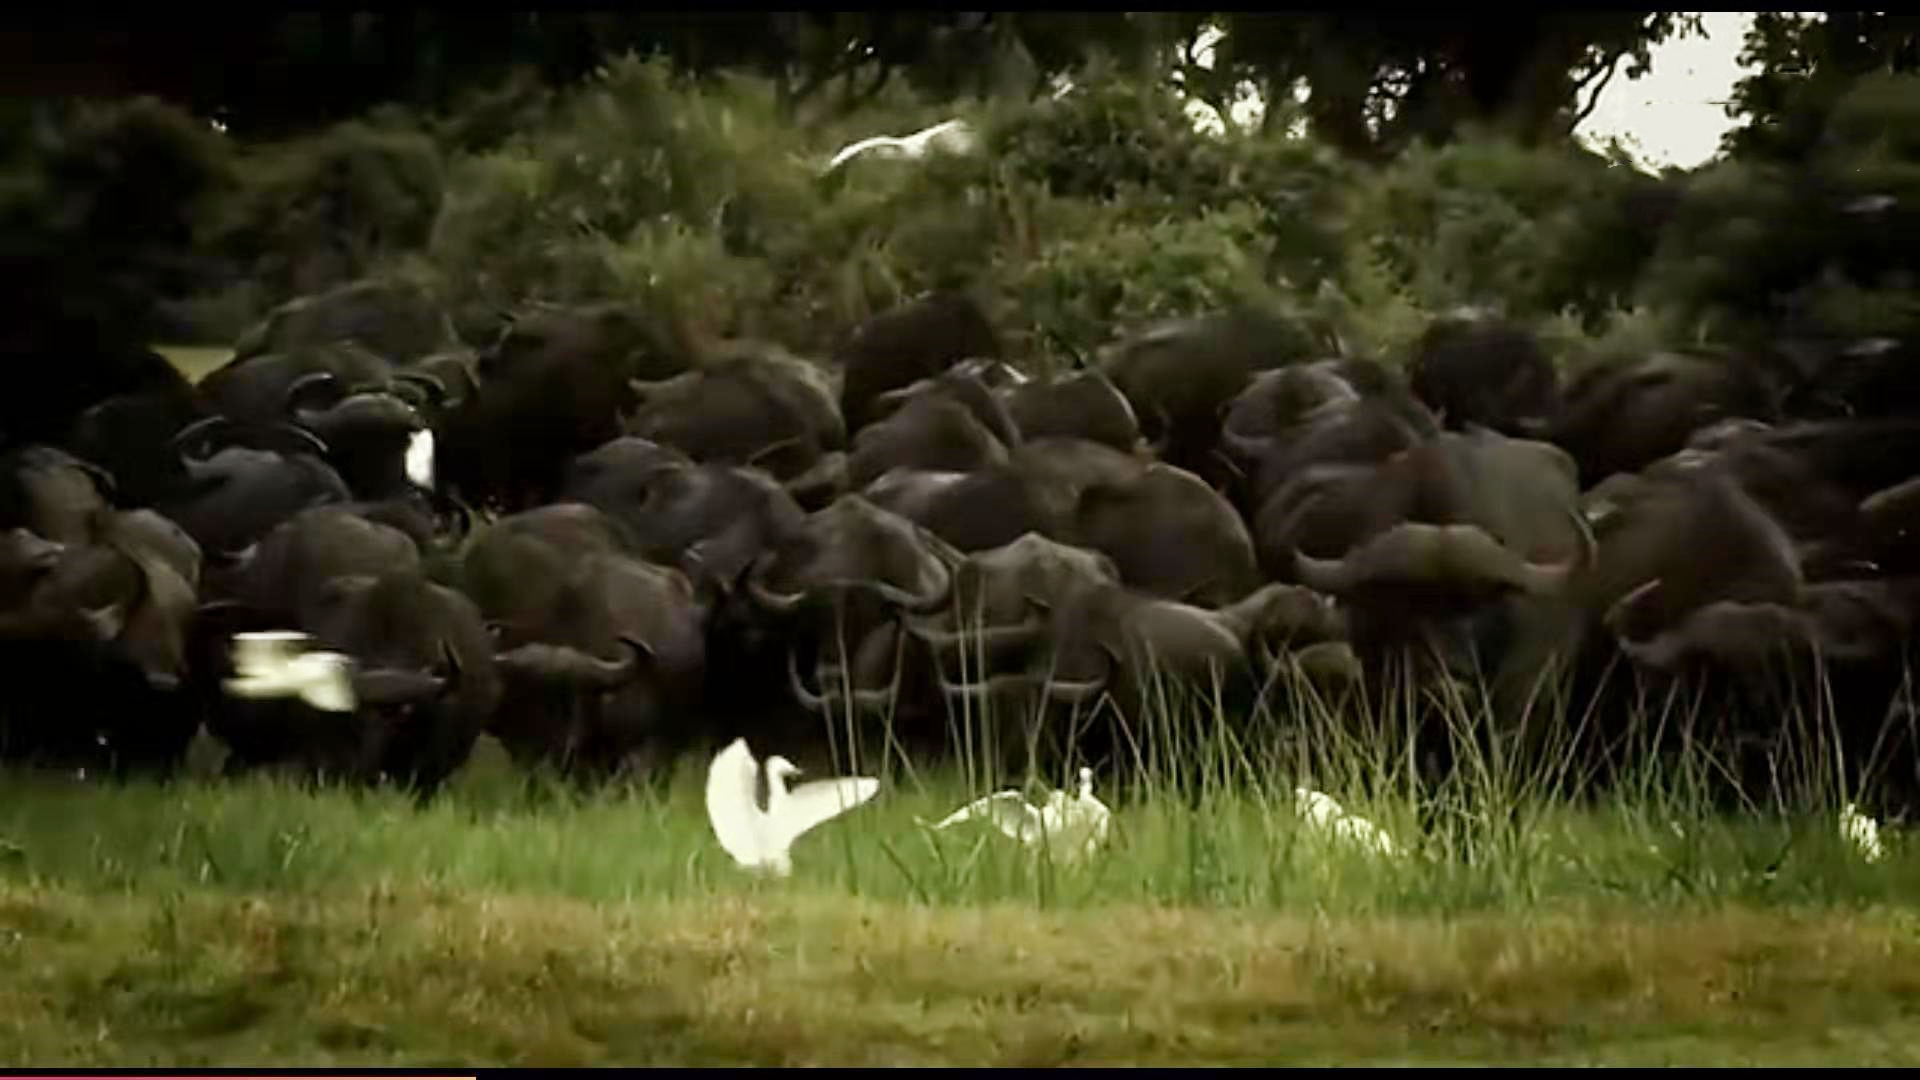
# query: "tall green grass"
x,y
1210,821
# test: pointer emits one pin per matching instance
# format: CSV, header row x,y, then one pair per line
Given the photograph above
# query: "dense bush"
x,y
98,211
1818,248
317,212
1085,212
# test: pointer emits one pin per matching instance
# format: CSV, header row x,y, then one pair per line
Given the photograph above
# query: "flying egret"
x,y
1329,816
1075,825
420,458
270,664
953,136
1861,831
759,839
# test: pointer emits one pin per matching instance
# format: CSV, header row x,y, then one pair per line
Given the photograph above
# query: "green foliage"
x,y
319,211
1537,230
640,186
98,209
1084,211
1105,282
1817,246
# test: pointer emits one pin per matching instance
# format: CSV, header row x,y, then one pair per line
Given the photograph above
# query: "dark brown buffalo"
x,y
1330,412
902,345
1168,532
1083,405
933,432
1040,635
1441,527
1622,414
52,493
1180,375
393,320
554,386
749,404
609,677
424,685
95,644
230,498
823,608
1474,369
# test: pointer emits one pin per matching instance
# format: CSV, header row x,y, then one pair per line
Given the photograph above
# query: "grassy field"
x,y
514,922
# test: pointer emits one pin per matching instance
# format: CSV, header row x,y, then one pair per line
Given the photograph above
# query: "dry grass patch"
x,y
376,976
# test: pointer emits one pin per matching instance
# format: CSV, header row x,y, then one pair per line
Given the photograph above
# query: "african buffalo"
x,y
395,321
603,652
96,646
902,345
423,680
553,386
1622,414
748,404
711,521
1083,405
1037,626
1474,369
1179,375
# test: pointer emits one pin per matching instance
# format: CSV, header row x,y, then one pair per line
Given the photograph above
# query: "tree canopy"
x,y
1374,82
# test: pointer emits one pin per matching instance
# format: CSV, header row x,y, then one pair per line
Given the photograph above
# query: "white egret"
x,y
1329,816
1862,832
420,458
759,839
953,136
1074,825
272,664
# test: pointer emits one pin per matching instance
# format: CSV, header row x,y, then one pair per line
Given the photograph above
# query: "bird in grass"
x,y
1075,826
275,664
1328,815
953,136
1862,832
760,839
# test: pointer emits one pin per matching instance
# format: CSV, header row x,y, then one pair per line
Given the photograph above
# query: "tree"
x,y
1806,63
1376,85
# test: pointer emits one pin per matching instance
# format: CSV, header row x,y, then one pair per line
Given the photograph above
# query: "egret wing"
x,y
265,652
1319,808
820,800
1007,811
327,684
980,807
730,806
848,153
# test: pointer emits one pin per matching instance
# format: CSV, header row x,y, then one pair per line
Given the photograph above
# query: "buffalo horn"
x,y
435,387
780,603
307,439
986,639
809,700
191,437
304,383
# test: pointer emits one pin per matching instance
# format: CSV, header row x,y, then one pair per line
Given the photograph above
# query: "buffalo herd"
x,y
610,549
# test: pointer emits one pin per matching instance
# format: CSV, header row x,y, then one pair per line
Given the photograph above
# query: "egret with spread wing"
x,y
953,137
1075,825
273,664
760,839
